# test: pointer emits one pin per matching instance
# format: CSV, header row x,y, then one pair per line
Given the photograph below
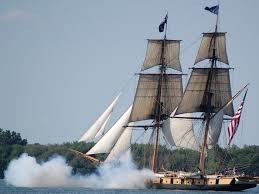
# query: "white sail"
x,y
179,132
102,129
220,89
155,50
211,41
99,124
145,103
215,129
122,145
106,143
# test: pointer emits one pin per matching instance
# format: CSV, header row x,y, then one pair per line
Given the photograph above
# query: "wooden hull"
x,y
238,187
213,184
257,179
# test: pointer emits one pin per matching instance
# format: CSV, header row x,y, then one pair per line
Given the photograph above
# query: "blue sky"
x,y
62,62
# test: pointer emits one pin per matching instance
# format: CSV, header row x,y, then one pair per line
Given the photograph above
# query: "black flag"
x,y
162,25
214,9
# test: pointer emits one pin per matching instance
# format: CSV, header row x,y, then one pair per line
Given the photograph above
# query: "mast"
x,y
158,94
207,104
159,105
208,89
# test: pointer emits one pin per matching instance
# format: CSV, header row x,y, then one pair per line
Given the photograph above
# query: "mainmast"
x,y
208,89
207,101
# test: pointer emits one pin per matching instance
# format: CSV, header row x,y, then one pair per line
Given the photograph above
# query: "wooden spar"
x,y
229,102
207,106
159,106
157,120
192,118
95,160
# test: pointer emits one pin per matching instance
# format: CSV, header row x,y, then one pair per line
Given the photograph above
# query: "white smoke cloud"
x,y
26,172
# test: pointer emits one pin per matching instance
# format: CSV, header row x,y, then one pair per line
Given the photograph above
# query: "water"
x,y
6,189
25,175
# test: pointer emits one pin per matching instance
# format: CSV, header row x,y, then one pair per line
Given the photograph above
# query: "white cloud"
x,y
11,15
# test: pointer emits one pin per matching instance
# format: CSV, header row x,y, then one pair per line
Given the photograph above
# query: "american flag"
x,y
233,125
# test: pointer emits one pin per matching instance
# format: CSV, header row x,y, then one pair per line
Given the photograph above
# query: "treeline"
x,y
219,160
11,138
244,159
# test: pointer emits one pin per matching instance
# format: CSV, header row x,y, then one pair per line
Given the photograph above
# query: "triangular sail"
x,y
99,124
211,41
145,102
102,129
220,91
122,145
179,132
215,127
170,49
106,143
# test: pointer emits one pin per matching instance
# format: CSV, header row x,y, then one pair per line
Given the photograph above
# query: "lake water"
x,y
6,189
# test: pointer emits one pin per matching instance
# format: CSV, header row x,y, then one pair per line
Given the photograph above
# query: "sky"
x,y
62,62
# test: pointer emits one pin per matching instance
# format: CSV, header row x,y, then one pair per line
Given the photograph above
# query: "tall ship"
x,y
169,110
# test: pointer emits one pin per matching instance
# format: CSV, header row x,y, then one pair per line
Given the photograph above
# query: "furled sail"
x,y
99,124
211,41
215,129
122,145
106,143
179,132
192,100
171,52
145,103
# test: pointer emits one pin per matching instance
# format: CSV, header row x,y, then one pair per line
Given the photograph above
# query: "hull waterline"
x,y
215,183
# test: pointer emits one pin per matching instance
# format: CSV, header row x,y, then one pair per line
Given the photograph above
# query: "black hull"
x,y
234,187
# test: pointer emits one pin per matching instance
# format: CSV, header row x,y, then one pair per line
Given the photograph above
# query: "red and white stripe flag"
x,y
233,125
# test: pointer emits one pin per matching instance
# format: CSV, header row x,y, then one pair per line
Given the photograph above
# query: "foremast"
x,y
159,106
158,94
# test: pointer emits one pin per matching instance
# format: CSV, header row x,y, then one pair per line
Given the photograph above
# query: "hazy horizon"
x,y
62,62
